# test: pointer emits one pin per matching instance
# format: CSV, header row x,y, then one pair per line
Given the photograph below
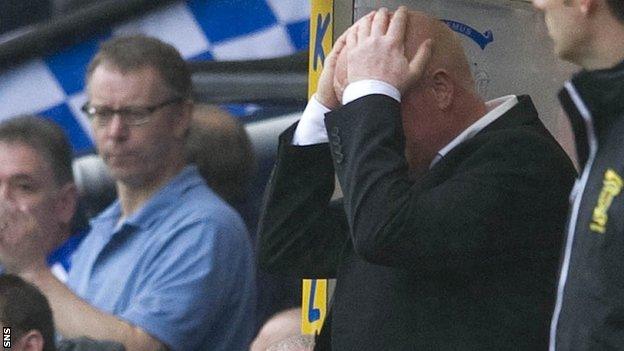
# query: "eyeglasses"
x,y
132,116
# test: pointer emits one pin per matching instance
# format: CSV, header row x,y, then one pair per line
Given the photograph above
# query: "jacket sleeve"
x,y
508,194
300,231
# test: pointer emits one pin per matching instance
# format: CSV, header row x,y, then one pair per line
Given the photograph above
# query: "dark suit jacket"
x,y
463,258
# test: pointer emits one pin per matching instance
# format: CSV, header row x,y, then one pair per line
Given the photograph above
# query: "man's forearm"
x,y
74,317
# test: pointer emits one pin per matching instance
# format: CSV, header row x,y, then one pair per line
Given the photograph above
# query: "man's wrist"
x,y
320,105
311,128
364,87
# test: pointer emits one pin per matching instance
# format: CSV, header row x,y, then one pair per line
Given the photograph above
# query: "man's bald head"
x,y
447,51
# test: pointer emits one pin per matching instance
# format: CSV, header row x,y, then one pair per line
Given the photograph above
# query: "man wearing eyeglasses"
x,y
168,265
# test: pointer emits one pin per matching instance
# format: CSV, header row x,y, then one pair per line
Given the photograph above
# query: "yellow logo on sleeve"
x,y
611,187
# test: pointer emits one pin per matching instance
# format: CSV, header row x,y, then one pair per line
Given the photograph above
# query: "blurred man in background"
x,y
588,311
220,147
36,176
169,264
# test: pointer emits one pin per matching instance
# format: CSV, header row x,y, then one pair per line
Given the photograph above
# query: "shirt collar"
x,y
152,209
495,108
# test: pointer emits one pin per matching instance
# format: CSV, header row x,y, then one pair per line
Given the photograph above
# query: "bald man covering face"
x,y
448,234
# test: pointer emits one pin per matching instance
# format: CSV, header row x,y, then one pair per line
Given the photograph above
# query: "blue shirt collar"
x,y
150,212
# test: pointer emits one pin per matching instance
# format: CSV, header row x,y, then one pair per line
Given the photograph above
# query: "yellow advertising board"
x,y
321,29
314,297
314,305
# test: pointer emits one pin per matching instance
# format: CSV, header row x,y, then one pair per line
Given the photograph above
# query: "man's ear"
x,y
443,89
31,341
183,122
67,202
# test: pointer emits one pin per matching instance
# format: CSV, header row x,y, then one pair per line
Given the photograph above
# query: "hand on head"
x,y
376,50
372,48
326,90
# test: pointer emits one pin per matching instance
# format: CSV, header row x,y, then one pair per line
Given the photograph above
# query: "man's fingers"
x,y
355,28
419,62
352,38
325,92
339,44
398,24
13,216
339,88
364,26
7,212
380,22
329,64
332,57
330,60
369,16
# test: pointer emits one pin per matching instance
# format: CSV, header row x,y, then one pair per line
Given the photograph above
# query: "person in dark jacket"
x,y
448,233
589,312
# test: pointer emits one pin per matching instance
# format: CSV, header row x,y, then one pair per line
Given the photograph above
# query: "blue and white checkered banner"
x,y
53,86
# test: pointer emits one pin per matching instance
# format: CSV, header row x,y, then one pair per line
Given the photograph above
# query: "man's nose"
x,y
116,127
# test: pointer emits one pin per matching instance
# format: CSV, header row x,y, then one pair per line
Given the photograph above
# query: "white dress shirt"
x,y
495,108
311,128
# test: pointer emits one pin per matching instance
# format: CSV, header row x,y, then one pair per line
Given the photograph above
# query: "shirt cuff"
x,y
311,128
360,88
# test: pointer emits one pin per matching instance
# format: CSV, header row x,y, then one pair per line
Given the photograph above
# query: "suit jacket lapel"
x,y
523,113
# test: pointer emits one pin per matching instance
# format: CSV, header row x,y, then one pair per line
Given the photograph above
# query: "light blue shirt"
x,y
181,268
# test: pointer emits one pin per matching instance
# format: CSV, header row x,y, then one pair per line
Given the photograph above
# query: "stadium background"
x,y
202,30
